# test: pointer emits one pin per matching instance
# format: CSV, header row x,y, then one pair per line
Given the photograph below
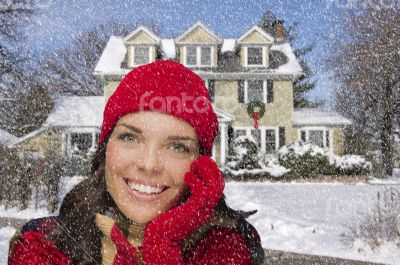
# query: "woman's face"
x,y
147,157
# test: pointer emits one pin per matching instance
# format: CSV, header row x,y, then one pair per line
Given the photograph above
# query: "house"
x,y
254,67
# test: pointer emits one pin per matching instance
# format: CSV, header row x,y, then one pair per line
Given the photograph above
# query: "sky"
x,y
59,22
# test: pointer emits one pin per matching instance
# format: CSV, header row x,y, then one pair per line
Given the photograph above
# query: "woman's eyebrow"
x,y
131,127
177,137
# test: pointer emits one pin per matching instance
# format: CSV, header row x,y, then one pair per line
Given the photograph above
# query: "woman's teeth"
x,y
144,188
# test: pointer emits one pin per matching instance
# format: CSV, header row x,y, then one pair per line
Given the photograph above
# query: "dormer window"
x,y
255,56
198,55
141,55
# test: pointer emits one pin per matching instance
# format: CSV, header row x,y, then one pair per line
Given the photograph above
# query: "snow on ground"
x,y
5,234
304,218
309,218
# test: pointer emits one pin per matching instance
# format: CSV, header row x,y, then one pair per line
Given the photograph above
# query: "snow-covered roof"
x,y
112,57
76,111
292,66
228,45
168,48
7,138
318,117
146,30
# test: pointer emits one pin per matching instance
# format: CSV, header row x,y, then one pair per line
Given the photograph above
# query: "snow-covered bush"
x,y
380,226
245,162
303,159
308,160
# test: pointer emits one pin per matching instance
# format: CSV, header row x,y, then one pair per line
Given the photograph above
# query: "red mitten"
x,y
126,253
163,235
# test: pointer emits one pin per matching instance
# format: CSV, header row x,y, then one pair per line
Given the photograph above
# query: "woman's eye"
x,y
178,147
127,137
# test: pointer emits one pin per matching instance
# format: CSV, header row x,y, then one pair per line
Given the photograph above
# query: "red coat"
x,y
218,246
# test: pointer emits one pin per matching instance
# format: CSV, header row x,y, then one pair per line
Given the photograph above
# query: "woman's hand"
x,y
163,235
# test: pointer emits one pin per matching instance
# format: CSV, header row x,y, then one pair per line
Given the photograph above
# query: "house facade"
x,y
254,67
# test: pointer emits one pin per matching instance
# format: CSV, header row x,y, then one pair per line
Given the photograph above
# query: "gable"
x,y
141,37
256,35
198,35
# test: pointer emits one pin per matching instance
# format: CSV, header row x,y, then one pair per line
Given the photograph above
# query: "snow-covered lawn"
x,y
304,218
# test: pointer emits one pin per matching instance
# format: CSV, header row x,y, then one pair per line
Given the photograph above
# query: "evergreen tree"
x,y
302,84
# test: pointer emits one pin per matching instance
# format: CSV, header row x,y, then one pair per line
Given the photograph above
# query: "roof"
x,y
7,138
112,60
228,45
292,66
27,136
112,57
168,48
76,111
318,117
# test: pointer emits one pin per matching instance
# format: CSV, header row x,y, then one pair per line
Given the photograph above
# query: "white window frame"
x,y
198,56
317,128
133,47
246,53
248,130
66,146
246,92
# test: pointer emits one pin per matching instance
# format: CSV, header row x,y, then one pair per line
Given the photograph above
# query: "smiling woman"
x,y
154,195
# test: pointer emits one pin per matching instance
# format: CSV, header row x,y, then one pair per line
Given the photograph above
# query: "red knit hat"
x,y
167,87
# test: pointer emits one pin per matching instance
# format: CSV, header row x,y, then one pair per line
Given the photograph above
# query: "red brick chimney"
x,y
279,30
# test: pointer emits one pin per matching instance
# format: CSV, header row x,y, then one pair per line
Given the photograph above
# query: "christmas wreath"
x,y
256,110
256,106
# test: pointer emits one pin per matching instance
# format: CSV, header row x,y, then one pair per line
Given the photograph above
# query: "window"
x,y
198,56
254,56
205,55
239,132
81,141
320,137
255,90
191,55
257,136
270,141
316,137
141,55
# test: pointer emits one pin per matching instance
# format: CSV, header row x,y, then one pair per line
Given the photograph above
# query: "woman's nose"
x,y
150,160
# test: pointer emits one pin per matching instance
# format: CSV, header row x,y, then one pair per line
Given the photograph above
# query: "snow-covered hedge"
x,y
308,160
295,160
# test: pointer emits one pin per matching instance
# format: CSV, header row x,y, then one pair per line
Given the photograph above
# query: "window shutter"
x,y
282,138
211,89
303,136
270,91
327,139
241,91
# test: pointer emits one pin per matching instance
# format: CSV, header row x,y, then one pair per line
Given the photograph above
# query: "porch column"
x,y
223,128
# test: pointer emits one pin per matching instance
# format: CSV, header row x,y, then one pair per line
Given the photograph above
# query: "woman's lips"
x,y
144,192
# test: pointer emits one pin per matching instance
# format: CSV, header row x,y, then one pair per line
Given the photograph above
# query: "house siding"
x,y
109,89
338,141
45,142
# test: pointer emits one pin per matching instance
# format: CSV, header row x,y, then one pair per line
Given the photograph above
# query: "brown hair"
x,y
77,235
